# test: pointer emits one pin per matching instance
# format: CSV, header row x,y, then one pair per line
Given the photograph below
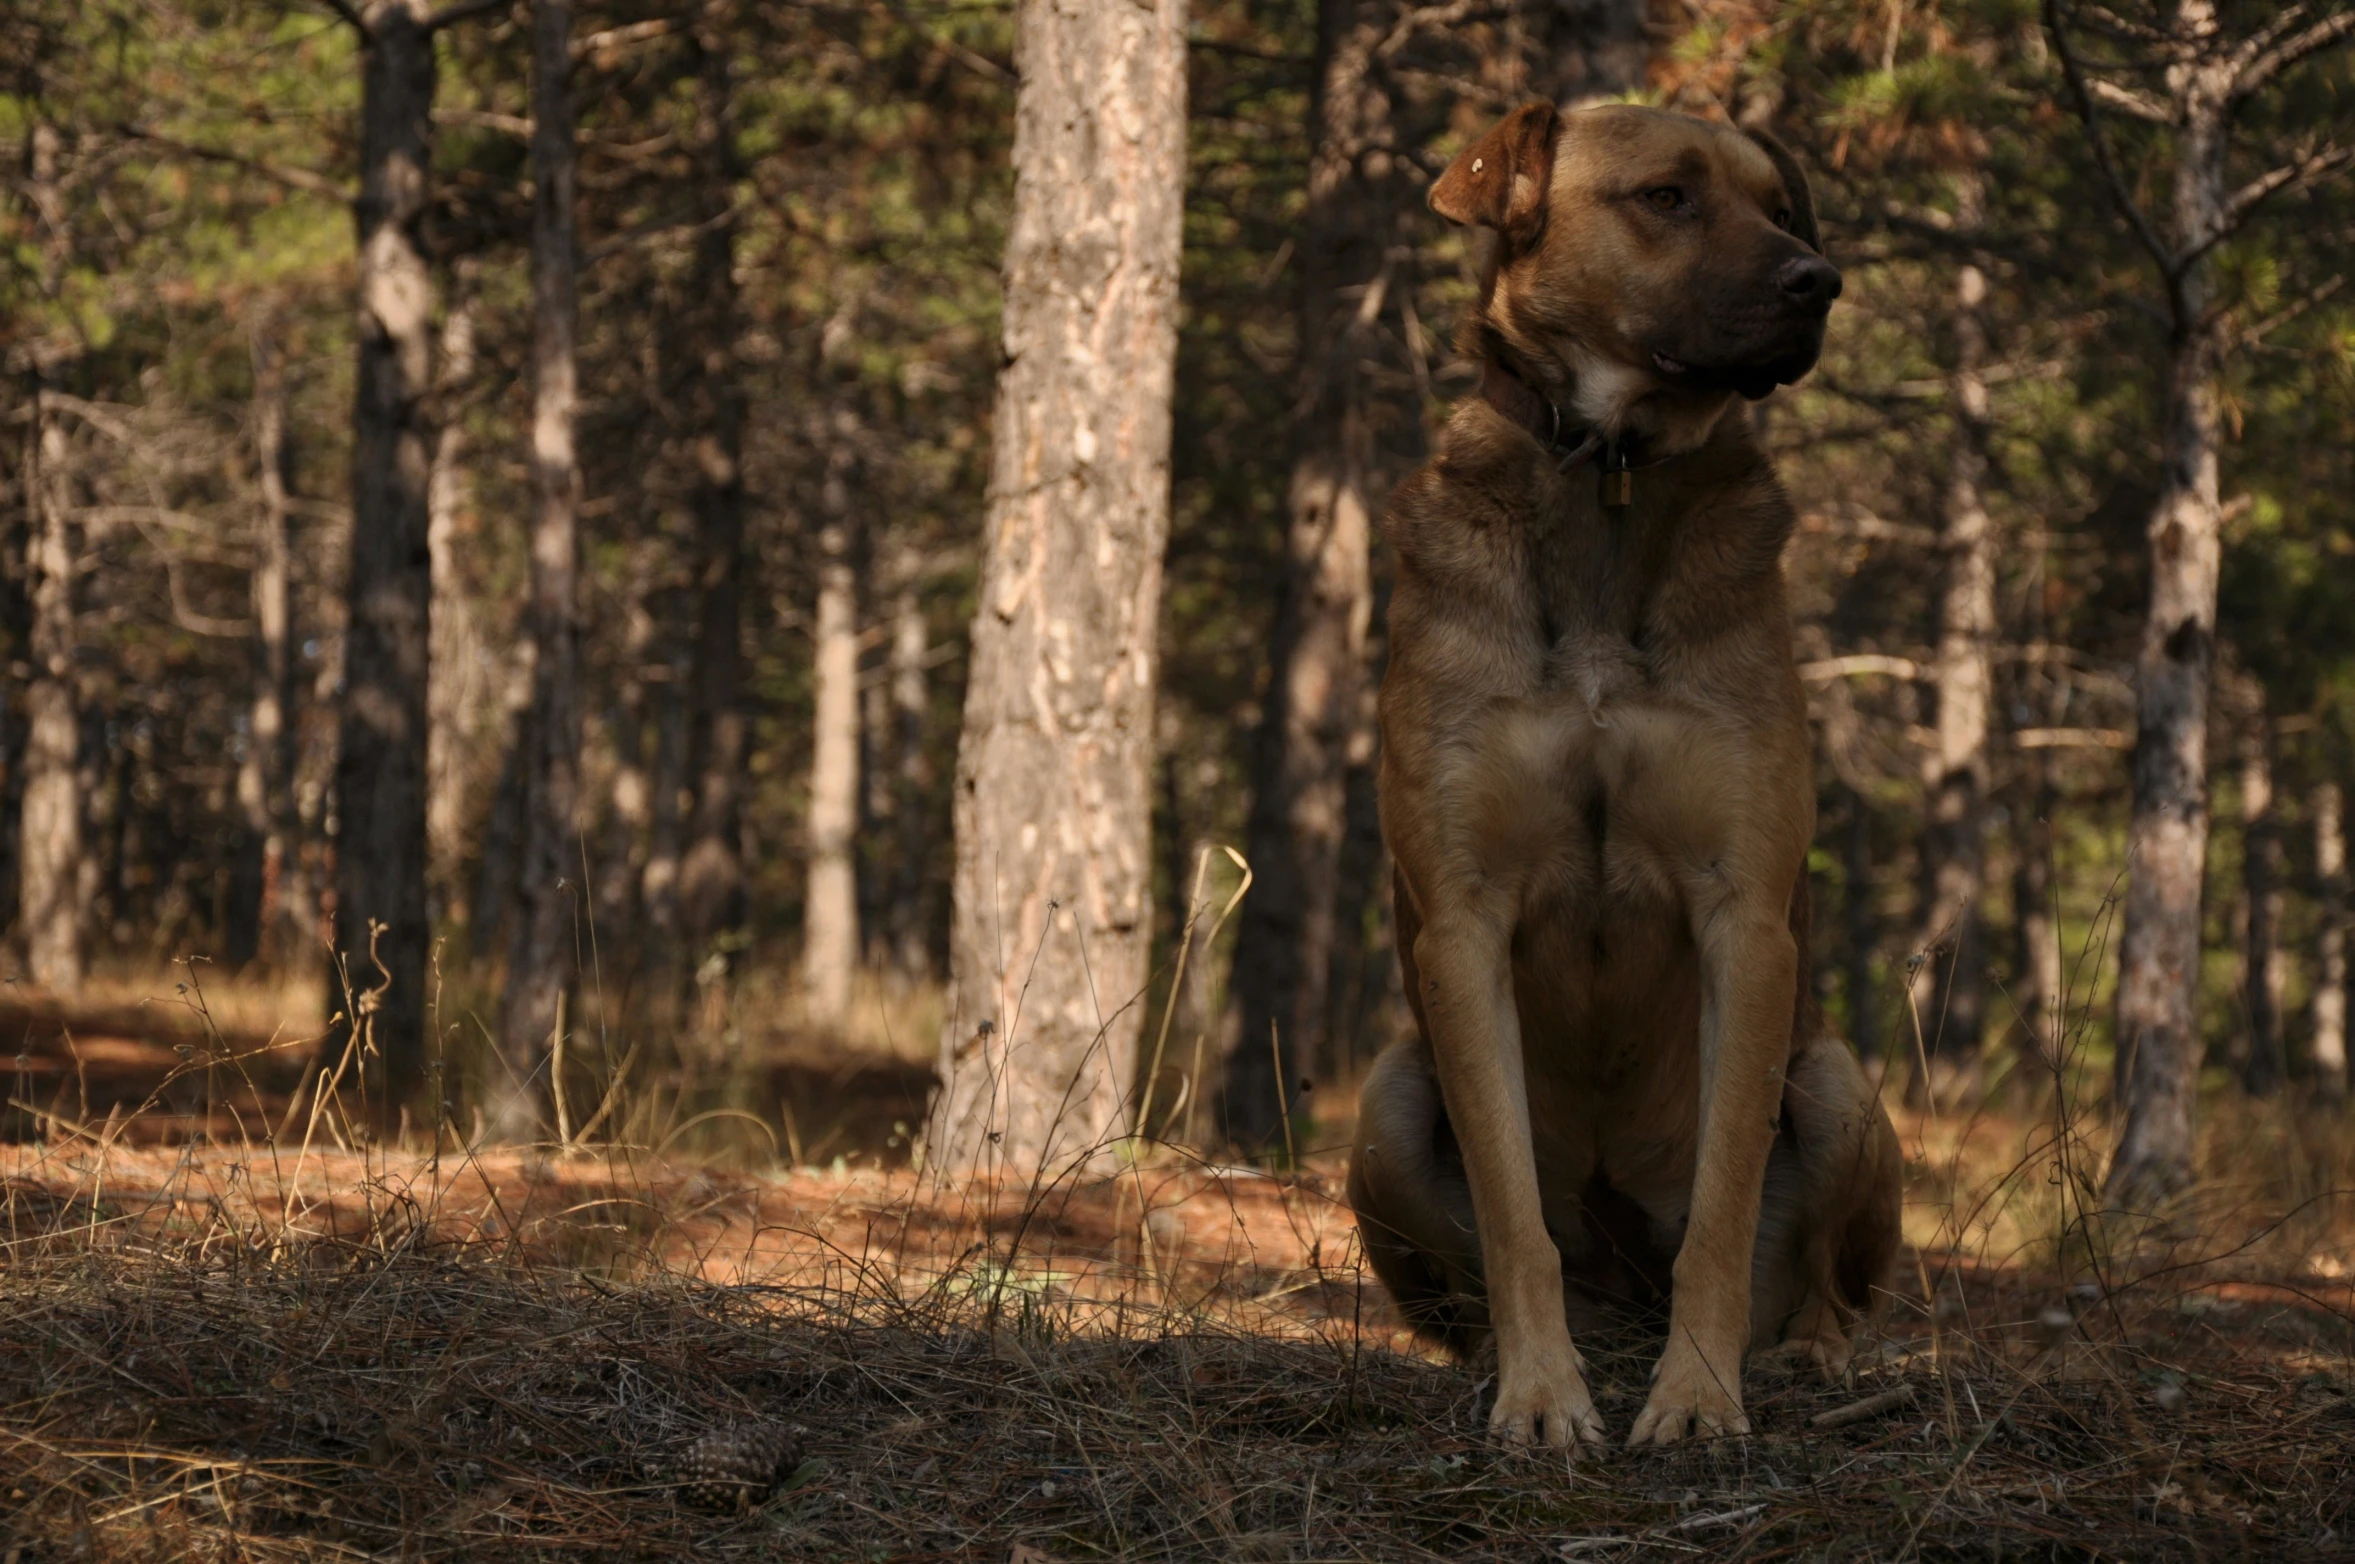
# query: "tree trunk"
x,y
1364,984
878,802
2330,942
711,871
1316,656
265,778
457,684
830,908
380,762
1962,681
50,856
540,964
1861,927
2158,1059
2266,968
658,882
2036,981
491,918
104,782
1052,914
51,852
629,808
911,701
1598,49
20,503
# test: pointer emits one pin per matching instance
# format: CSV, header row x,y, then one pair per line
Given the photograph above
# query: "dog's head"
x,y
1644,258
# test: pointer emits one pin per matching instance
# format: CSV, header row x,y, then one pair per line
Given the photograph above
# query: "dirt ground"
x,y
271,1353
231,1327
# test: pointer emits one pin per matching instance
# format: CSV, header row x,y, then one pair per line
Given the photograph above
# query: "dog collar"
x,y
1541,419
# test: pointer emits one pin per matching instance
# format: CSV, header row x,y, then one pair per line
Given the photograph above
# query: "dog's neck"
x,y
1510,392
1570,394
1572,445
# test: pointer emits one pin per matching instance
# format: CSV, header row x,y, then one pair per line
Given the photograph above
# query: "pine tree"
x,y
540,963
2210,79
1052,910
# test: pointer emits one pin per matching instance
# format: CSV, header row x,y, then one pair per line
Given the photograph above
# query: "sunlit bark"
x,y
830,916
1053,913
2264,966
540,957
2327,806
1962,682
265,774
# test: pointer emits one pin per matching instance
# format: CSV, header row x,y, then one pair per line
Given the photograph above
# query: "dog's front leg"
x,y
1749,963
1463,965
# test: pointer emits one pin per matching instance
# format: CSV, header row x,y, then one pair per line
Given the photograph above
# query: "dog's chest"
x,y
1589,669
1568,753
1585,784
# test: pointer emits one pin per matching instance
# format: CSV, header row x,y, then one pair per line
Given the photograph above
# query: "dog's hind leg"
x,y
1413,1204
1406,1177
1828,1231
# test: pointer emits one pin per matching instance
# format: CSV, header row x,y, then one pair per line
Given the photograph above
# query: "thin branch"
x,y
2071,738
485,119
303,179
161,516
1858,665
2144,107
2106,20
2290,176
462,11
1446,14
343,9
2257,331
628,33
1934,230
2284,22
143,519
2100,140
1855,521
2272,62
599,253
980,64
190,619
98,415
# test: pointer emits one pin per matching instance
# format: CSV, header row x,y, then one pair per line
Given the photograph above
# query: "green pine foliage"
x,y
208,148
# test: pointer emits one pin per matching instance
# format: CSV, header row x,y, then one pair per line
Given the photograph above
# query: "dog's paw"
x,y
1818,1343
1831,1353
1690,1396
1827,1356
1546,1404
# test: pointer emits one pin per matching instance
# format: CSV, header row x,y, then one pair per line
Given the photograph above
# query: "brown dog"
x,y
1597,787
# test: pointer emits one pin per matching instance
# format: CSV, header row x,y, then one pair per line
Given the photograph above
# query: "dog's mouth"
x,y
1751,380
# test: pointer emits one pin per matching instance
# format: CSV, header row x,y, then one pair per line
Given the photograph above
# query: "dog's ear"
x,y
1794,186
1501,180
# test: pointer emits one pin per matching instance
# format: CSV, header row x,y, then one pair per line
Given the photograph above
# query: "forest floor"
x,y
258,1346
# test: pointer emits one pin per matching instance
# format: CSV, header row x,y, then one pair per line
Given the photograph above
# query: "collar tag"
x,y
1618,488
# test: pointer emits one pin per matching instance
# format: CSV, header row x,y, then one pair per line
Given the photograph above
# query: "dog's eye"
x,y
1782,217
1664,198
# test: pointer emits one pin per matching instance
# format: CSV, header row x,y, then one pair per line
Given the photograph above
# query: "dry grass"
x,y
224,1340
215,1353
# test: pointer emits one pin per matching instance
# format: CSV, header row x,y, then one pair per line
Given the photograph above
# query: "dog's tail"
x,y
1413,1202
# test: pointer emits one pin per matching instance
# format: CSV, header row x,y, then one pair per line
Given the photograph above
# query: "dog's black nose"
x,y
1809,280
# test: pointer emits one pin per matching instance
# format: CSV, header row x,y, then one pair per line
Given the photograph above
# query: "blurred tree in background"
x,y
791,222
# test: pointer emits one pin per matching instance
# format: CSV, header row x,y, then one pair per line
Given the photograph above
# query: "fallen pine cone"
x,y
731,1468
